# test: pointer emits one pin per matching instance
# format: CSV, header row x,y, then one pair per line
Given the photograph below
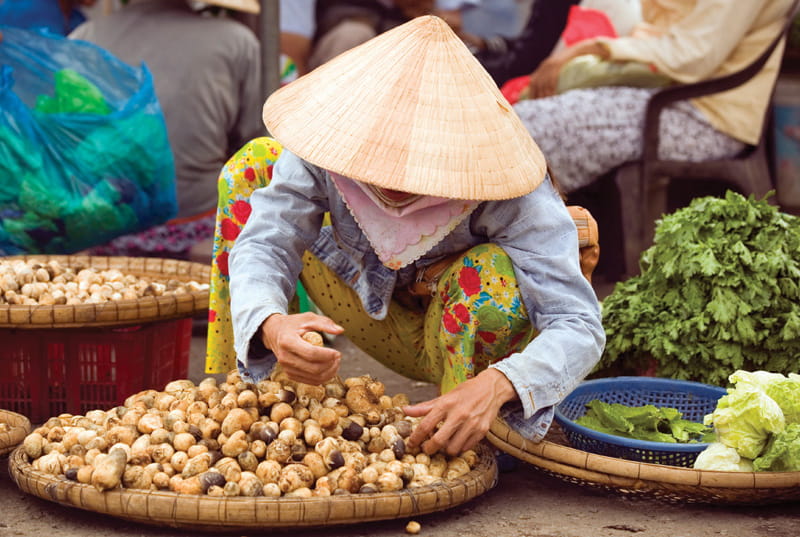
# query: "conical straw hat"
x,y
410,110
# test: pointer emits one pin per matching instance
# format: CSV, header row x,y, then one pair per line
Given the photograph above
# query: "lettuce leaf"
x,y
782,453
786,392
646,422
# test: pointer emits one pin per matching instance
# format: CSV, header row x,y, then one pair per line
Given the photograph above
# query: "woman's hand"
x,y
466,413
302,361
544,80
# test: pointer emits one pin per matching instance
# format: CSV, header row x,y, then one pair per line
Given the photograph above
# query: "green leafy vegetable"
x,y
782,453
718,291
758,419
646,422
745,418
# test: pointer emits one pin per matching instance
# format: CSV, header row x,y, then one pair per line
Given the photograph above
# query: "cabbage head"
x,y
744,419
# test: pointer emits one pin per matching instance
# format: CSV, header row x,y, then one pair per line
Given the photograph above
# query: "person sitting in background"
x,y
207,76
344,24
452,259
585,133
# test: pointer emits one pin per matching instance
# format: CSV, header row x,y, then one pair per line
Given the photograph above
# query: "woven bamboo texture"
x,y
19,426
669,483
206,513
116,312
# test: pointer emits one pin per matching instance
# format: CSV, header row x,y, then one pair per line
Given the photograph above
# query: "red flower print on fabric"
x,y
212,315
241,210
229,230
250,174
469,280
461,311
222,263
488,337
450,323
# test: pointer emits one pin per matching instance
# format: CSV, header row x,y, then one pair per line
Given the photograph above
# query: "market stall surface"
x,y
525,503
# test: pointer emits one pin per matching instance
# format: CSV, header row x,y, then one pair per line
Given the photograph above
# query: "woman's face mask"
x,y
400,226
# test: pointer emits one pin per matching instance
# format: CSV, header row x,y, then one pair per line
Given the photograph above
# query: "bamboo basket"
x,y
673,484
206,513
117,312
19,425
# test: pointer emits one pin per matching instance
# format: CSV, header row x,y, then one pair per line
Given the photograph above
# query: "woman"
x,y
589,132
449,246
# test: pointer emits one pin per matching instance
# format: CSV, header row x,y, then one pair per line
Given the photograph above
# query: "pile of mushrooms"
x,y
273,438
31,282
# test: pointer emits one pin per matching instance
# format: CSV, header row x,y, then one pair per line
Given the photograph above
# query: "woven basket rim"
x,y
117,312
205,513
613,473
20,427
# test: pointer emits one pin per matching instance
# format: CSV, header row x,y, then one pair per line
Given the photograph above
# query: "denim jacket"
x,y
535,230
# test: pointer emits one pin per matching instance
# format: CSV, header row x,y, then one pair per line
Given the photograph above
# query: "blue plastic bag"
x,y
84,153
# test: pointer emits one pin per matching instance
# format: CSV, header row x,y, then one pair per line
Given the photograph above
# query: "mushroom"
x,y
268,471
250,485
295,476
108,471
237,419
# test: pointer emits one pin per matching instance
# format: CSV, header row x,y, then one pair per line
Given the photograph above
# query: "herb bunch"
x,y
718,291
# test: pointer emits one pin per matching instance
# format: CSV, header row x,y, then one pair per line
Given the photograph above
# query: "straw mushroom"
x,y
295,476
108,470
250,485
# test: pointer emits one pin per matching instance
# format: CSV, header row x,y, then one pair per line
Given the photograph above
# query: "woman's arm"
x,y
695,47
539,235
544,80
688,51
266,261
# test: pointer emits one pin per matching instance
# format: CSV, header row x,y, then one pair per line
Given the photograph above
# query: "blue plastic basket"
x,y
693,399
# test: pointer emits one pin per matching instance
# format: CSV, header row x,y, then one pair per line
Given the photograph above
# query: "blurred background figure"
x,y
496,17
587,131
297,28
55,16
546,27
206,71
344,24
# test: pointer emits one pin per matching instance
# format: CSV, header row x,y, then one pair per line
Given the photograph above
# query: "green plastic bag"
x,y
84,152
74,94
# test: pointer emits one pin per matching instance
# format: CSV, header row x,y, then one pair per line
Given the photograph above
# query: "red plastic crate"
x,y
45,373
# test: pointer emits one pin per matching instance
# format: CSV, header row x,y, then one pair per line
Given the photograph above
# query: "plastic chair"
x,y
643,184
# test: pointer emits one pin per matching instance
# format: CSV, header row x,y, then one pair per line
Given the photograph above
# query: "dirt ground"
x,y
525,502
